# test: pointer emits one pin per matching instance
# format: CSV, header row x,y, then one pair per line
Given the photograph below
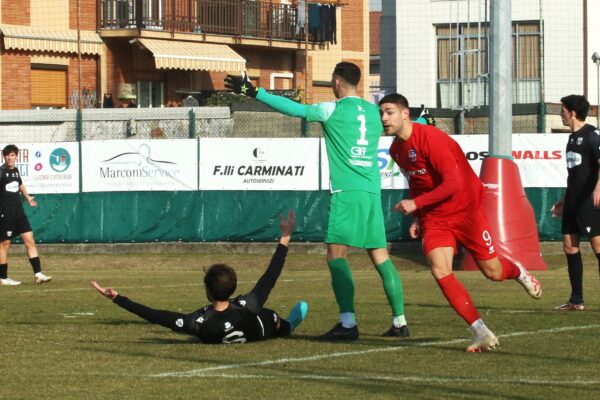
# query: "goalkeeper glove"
x,y
240,86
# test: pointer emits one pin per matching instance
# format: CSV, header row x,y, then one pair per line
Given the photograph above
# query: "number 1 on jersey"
x,y
363,131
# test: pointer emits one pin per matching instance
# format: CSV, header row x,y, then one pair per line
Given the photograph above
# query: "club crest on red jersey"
x,y
412,155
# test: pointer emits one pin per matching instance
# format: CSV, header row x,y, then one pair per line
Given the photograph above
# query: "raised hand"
x,y
287,227
108,292
240,85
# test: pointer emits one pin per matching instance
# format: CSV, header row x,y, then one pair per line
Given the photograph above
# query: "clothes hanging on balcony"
x,y
314,21
301,20
333,24
324,26
322,23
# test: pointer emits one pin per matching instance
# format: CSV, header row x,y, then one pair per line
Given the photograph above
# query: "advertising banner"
x,y
139,165
391,176
540,158
259,164
48,167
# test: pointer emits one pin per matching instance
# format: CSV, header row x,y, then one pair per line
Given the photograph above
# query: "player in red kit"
x,y
445,201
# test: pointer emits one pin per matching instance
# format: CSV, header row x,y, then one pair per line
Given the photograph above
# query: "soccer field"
x,y
64,341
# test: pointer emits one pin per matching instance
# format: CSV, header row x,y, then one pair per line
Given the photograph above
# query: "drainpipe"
x,y
585,49
542,116
1,77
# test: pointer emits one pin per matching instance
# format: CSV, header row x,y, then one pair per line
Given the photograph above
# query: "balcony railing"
x,y
260,19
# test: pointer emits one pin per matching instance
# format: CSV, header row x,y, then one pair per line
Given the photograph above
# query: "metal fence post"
x,y
79,136
79,125
192,124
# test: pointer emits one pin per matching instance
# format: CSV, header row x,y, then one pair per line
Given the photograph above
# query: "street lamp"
x,y
596,60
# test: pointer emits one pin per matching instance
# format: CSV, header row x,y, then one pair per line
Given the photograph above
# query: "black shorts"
x,y
269,320
12,225
583,221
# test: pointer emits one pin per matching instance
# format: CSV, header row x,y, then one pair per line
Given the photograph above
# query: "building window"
x,y
48,87
462,64
150,93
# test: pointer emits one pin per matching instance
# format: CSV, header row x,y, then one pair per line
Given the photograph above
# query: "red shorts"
x,y
472,230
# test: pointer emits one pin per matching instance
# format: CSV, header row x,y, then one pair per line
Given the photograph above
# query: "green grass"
x,y
64,341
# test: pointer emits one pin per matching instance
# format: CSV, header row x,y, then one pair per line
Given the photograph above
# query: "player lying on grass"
x,y
446,205
238,320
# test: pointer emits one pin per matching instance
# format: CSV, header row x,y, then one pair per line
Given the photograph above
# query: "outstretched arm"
x,y
168,319
267,281
314,112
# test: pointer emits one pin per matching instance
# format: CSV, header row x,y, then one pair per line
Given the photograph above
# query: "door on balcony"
x,y
119,13
150,93
153,14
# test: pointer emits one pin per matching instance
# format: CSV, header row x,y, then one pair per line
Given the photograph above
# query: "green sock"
x,y
343,284
392,285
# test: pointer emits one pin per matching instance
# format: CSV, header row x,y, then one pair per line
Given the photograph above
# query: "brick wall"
x,y
374,32
88,74
176,79
299,73
16,81
15,12
353,26
87,14
118,61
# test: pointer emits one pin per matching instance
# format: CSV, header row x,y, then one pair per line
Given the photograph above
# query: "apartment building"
x,y
154,53
435,51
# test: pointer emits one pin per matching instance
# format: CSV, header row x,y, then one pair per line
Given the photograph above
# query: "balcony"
x,y
237,18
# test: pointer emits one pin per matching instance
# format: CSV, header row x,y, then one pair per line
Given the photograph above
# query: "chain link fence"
x,y
237,121
34,126
222,114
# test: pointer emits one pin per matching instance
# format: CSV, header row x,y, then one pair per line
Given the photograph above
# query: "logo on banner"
x,y
259,154
138,164
386,164
60,160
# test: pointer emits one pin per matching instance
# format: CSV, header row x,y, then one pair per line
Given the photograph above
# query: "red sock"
x,y
459,298
509,270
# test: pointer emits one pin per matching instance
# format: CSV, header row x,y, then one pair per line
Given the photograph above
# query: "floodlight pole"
x,y
500,125
596,60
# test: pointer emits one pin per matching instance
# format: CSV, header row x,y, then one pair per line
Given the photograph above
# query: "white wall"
x,y
593,46
415,60
563,49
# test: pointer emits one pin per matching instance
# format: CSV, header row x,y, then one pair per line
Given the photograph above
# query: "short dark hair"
x,y
220,282
395,98
578,104
350,73
10,148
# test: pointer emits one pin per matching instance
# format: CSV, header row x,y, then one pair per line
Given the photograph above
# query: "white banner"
x,y
259,164
139,165
540,158
49,167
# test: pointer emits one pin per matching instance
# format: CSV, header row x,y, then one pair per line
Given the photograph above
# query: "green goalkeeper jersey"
x,y
352,129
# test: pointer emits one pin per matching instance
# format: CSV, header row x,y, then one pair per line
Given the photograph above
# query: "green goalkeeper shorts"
x,y
356,219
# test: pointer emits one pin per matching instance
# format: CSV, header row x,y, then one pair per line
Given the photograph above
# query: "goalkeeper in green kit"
x,y
352,128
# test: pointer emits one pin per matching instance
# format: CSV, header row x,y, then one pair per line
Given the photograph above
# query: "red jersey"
x,y
440,179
